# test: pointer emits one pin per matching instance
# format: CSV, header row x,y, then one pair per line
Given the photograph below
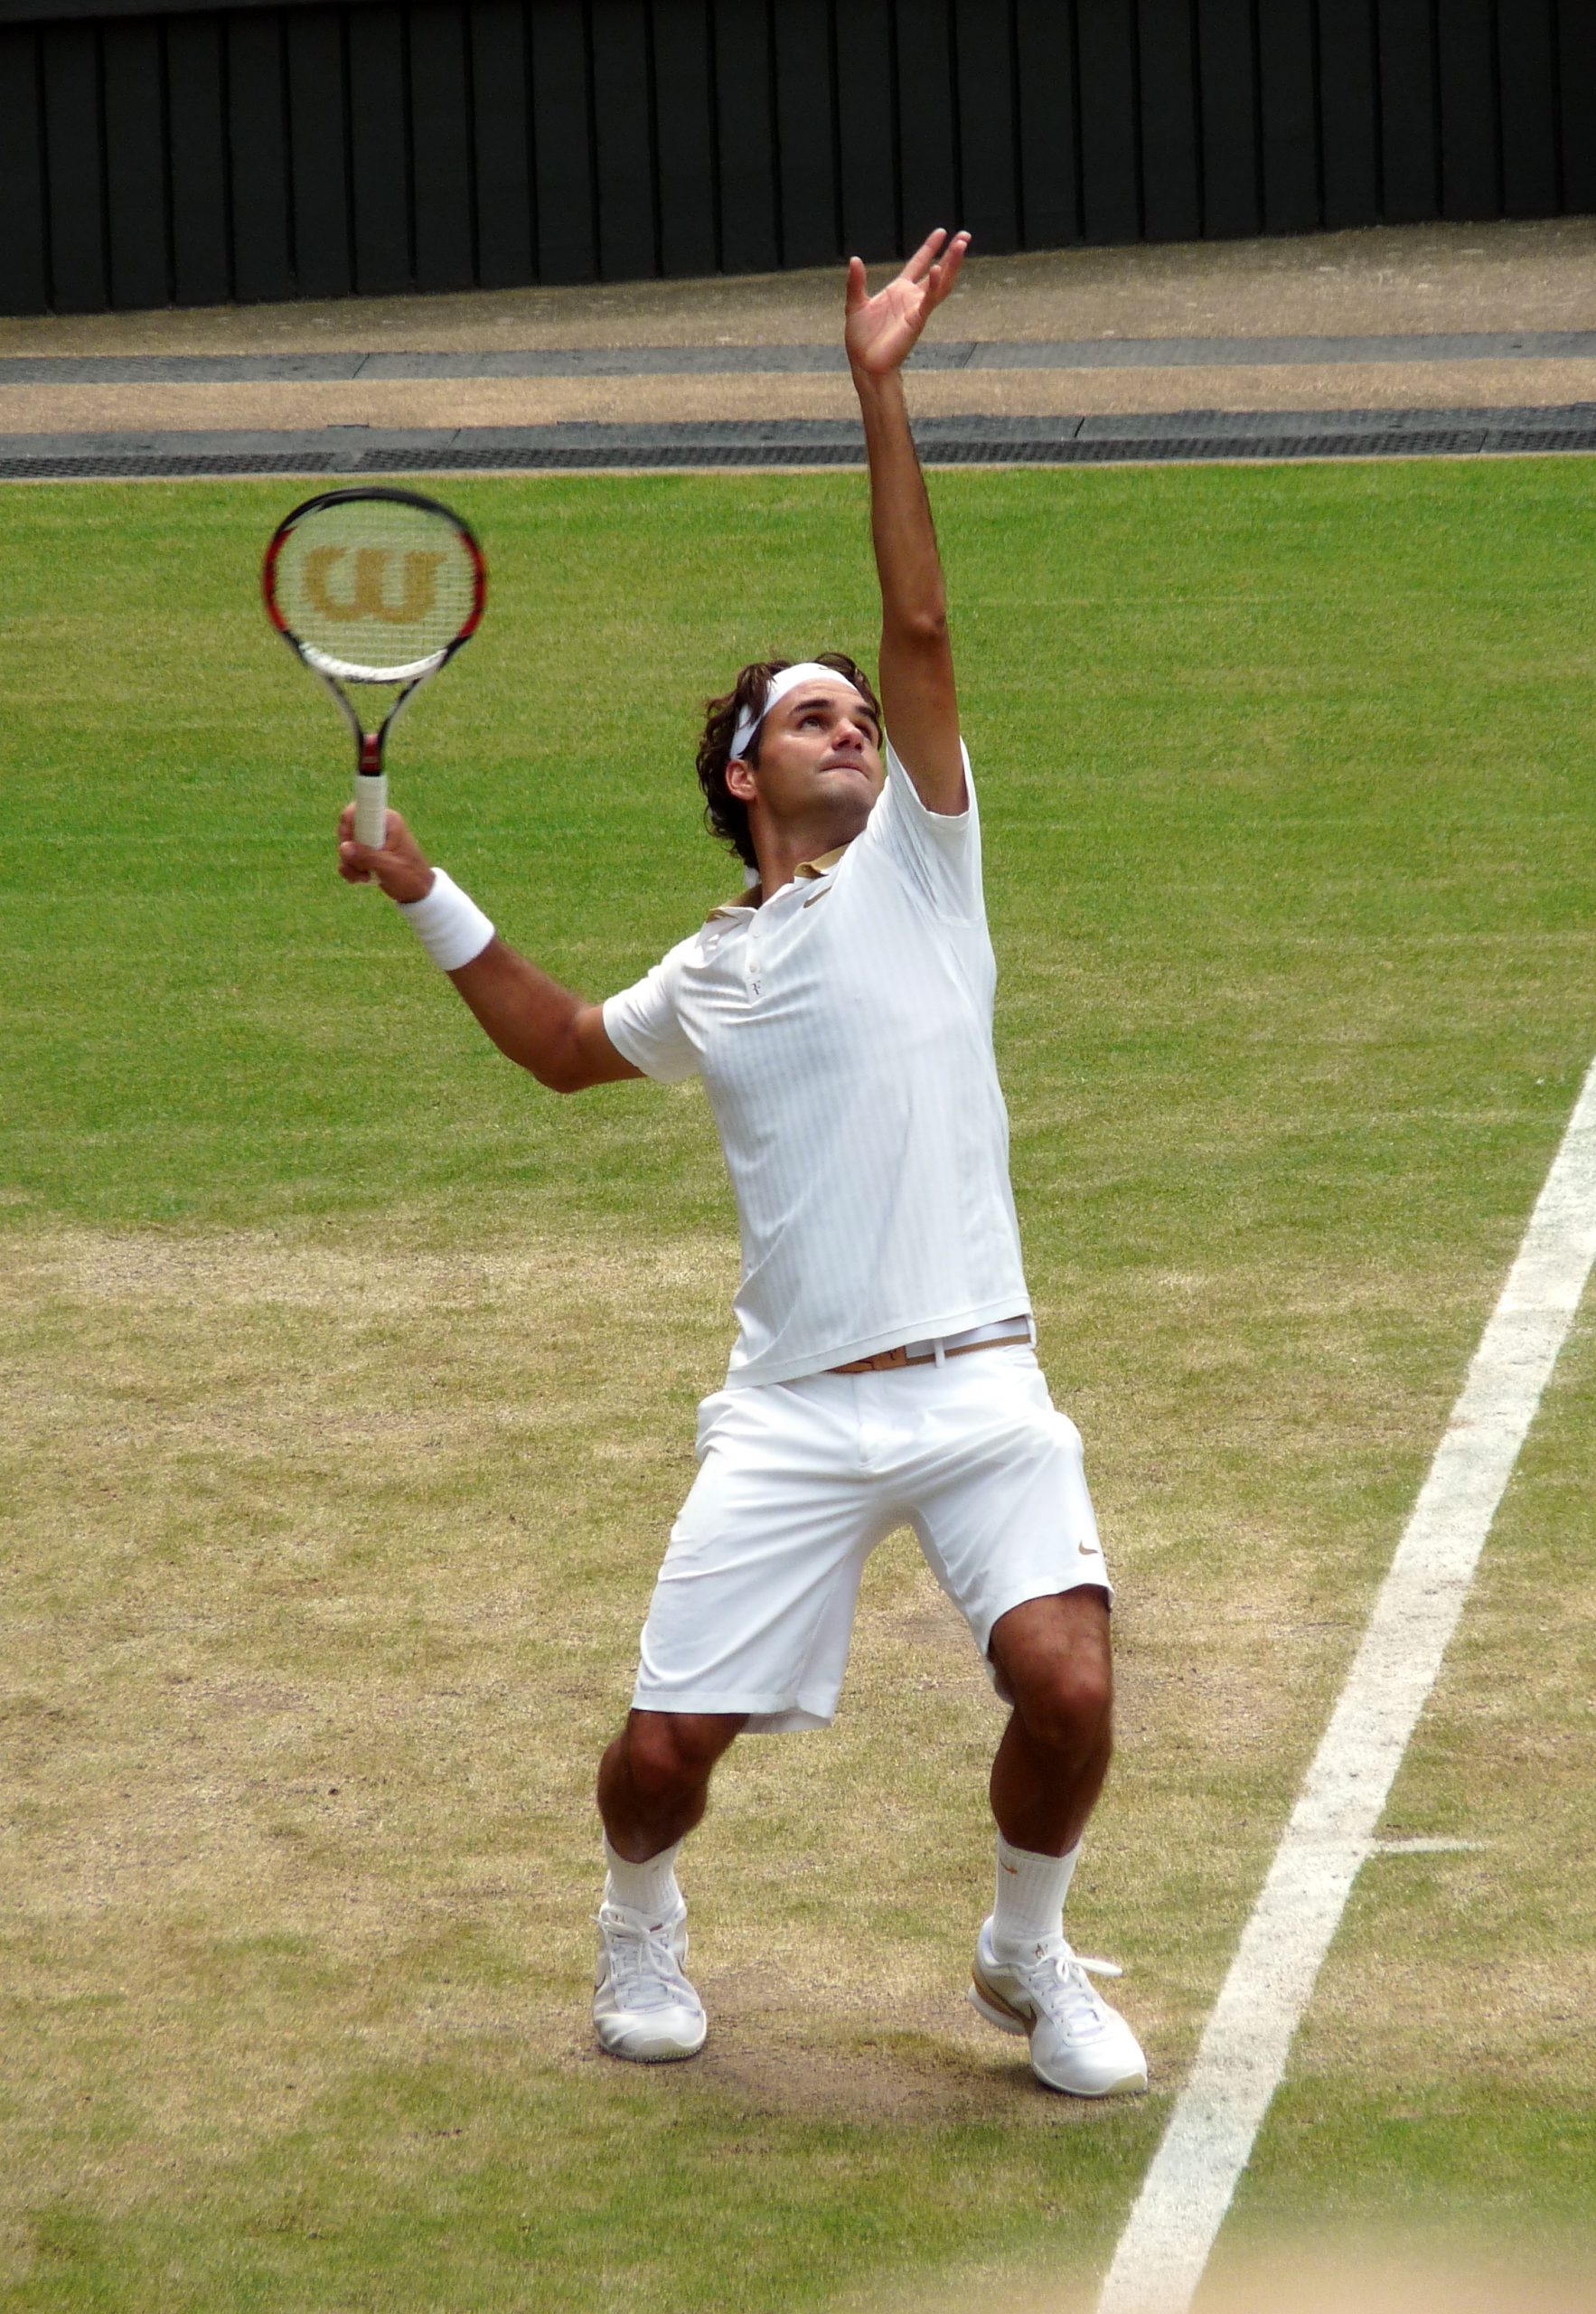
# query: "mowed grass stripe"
x,y
352,1378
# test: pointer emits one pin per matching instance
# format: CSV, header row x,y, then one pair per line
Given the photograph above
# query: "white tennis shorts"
x,y
797,1483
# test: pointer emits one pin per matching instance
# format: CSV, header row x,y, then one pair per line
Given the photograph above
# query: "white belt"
x,y
932,1352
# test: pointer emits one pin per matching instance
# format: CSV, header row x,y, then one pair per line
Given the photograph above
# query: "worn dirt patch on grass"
x,y
1316,2277
325,1569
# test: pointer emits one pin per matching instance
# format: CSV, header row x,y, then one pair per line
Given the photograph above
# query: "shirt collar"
x,y
807,869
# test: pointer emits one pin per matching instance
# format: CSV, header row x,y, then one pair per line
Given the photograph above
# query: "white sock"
x,y
649,1888
1031,1890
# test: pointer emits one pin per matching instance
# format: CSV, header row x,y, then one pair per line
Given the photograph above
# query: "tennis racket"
x,y
373,587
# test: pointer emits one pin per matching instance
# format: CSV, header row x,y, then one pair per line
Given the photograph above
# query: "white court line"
x,y
1242,2053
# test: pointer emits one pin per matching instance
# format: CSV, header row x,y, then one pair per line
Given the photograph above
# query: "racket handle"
x,y
370,808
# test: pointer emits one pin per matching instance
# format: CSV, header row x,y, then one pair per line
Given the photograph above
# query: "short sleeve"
x,y
938,852
644,1023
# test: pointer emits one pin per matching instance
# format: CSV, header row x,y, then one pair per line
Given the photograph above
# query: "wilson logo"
x,y
371,592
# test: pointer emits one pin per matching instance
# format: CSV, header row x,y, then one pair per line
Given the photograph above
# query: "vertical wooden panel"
x,y
25,281
74,172
866,128
1048,153
1466,69
624,121
684,138
201,211
380,163
1290,123
806,133
1348,113
750,209
1410,158
567,230
213,154
1111,175
1529,148
440,148
502,143
318,152
257,153
1576,89
988,155
928,142
1226,76
1171,193
136,163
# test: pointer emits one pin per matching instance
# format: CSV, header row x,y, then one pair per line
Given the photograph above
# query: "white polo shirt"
x,y
844,1034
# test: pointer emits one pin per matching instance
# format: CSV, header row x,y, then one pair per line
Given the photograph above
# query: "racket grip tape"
x,y
370,808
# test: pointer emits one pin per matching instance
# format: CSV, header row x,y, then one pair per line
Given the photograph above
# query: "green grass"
x,y
351,1376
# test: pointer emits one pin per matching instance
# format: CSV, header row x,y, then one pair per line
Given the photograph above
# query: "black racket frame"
x,y
368,744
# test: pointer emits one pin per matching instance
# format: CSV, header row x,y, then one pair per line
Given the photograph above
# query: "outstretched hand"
x,y
880,332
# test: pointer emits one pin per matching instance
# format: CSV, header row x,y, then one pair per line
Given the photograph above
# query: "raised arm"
x,y
917,693
559,1038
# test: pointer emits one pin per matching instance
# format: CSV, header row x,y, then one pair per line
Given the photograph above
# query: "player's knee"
x,y
1069,1707
672,1752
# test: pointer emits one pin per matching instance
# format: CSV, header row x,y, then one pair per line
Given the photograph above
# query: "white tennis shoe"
x,y
1078,2043
643,2005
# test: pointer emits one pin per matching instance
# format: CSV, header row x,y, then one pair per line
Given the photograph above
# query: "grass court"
x,y
349,1381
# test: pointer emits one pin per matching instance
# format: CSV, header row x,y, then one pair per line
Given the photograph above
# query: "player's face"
x,y
820,747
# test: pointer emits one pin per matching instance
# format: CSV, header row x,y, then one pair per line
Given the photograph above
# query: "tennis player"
x,y
840,1012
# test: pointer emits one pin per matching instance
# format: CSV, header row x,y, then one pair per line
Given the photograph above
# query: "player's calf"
x,y
653,1782
1054,1661
653,1786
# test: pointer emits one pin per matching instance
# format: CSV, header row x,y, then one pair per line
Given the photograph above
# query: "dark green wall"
x,y
273,151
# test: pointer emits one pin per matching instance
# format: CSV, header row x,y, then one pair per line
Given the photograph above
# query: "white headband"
x,y
808,670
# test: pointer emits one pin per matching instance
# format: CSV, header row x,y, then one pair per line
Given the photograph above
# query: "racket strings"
x,y
374,589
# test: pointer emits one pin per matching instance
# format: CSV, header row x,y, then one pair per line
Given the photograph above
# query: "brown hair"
x,y
726,814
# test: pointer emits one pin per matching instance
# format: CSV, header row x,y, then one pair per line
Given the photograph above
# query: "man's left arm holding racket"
x,y
544,1028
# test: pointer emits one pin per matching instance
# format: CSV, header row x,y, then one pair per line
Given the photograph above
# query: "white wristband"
x,y
450,926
